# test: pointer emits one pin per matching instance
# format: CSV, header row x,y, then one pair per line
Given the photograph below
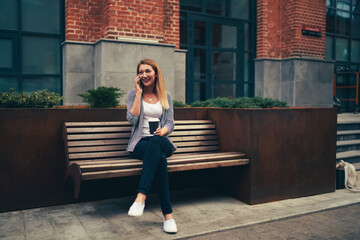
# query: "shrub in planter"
x,y
102,97
178,103
240,102
38,99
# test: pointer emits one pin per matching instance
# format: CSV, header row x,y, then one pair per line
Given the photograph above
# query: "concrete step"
x,y
348,135
348,121
352,157
352,125
347,145
348,139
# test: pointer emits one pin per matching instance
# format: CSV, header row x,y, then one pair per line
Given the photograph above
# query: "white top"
x,y
152,112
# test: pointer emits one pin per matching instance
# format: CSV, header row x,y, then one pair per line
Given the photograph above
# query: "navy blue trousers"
x,y
153,152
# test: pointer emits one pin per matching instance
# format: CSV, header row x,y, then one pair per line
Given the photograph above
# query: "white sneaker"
x,y
170,226
136,209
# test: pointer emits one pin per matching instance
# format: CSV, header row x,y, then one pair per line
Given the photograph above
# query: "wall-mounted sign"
x,y
310,31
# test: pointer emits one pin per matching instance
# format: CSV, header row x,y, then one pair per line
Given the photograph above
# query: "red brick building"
x,y
287,50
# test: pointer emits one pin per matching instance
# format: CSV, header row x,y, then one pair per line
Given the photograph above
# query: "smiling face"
x,y
147,74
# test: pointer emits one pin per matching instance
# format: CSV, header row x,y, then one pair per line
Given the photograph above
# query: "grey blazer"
x,y
167,119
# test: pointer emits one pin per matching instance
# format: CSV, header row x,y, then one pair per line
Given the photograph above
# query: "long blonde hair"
x,y
160,88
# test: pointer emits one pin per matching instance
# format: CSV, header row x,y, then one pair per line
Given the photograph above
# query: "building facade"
x,y
289,50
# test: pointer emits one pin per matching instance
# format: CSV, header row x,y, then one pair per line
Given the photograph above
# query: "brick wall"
x,y
83,20
279,24
90,20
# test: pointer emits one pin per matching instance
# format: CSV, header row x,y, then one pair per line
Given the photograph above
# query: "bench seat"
x,y
97,150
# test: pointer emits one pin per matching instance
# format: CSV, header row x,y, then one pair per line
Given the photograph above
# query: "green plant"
x,y
38,99
102,97
240,102
178,103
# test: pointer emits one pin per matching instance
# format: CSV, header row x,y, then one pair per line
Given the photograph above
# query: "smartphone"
x,y
141,84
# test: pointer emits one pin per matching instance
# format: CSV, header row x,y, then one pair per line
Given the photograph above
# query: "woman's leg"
x,y
162,186
154,148
153,152
149,150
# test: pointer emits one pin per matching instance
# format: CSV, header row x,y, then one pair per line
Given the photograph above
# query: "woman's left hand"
x,y
161,131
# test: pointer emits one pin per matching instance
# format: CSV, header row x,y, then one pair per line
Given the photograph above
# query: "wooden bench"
x,y
97,150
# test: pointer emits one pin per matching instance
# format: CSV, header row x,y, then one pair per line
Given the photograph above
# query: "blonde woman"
x,y
150,100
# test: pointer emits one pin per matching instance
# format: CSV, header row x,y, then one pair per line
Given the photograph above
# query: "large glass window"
x,y
8,14
41,16
6,58
355,25
218,35
224,36
343,45
343,33
41,55
342,49
8,82
31,32
355,51
240,9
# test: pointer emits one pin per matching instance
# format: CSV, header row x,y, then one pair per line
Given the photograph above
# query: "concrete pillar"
x,y
113,63
304,82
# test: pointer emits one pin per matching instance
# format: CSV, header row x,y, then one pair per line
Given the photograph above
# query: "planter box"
x,y
292,152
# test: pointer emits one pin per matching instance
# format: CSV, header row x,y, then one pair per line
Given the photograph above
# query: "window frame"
x,y
18,35
15,59
349,38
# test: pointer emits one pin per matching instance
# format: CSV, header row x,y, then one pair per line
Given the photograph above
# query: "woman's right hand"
x,y
135,109
137,84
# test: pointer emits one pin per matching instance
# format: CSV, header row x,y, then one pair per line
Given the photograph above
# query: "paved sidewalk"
x,y
197,212
336,224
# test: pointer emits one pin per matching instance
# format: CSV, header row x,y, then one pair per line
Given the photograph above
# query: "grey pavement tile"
x,y
12,237
319,198
12,225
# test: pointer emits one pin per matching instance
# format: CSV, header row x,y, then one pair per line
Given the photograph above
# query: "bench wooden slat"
x,y
84,149
193,133
111,174
191,122
104,161
197,143
98,136
113,166
97,142
128,129
98,155
192,138
97,149
206,165
173,168
192,127
212,155
136,164
112,123
99,129
198,149
204,154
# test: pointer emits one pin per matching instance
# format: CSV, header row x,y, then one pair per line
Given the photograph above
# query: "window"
x,y
31,32
219,37
8,14
355,51
343,33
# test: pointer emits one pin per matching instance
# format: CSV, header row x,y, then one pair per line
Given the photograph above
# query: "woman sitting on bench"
x,y
150,102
